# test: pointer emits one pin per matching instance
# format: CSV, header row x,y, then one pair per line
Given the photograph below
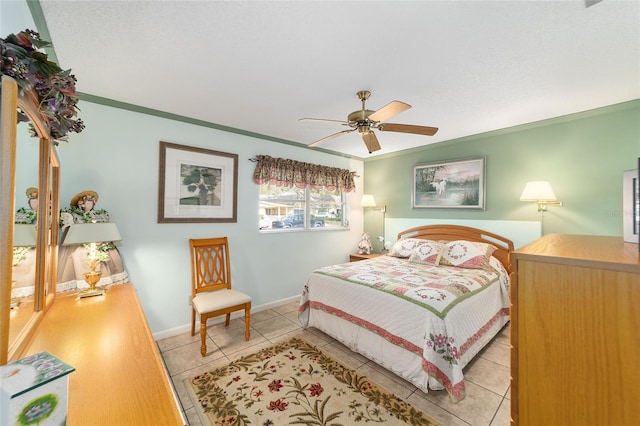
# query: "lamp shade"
x,y
83,233
24,235
367,200
538,191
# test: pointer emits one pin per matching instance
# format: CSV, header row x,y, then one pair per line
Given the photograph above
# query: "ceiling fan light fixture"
x,y
364,129
365,120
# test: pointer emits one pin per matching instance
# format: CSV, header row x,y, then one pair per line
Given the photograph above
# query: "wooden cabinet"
x,y
575,332
357,257
120,378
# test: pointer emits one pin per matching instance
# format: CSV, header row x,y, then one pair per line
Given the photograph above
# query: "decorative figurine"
x,y
32,198
364,246
85,200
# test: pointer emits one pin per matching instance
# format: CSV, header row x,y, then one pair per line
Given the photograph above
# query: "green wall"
x,y
583,156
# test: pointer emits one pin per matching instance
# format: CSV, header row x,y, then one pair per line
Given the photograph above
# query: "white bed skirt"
x,y
398,360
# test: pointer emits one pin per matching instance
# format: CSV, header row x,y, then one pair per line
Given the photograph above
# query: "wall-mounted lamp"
x,y
541,193
368,202
91,233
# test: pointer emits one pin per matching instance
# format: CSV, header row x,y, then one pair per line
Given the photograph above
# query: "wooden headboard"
x,y
455,232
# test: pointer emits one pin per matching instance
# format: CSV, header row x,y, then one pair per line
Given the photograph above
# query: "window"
x,y
301,195
284,208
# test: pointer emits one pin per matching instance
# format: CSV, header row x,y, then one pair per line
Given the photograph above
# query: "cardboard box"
x,y
34,391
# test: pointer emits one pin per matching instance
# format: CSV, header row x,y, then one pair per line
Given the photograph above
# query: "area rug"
x,y
291,383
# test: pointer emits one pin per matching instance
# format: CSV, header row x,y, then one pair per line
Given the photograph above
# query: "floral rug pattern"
x,y
295,383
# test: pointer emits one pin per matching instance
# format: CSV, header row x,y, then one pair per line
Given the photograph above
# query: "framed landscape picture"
x,y
197,185
455,184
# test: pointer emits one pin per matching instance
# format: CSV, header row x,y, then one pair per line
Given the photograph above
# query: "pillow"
x,y
405,246
427,253
467,254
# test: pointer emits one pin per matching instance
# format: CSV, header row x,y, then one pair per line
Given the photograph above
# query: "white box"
x,y
34,391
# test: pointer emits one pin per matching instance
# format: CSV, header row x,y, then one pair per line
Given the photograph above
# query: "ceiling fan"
x,y
365,120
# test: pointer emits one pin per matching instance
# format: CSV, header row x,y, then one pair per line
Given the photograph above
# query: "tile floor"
x,y
487,376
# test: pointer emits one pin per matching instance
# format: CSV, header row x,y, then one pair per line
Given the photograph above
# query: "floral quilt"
x,y
436,288
438,316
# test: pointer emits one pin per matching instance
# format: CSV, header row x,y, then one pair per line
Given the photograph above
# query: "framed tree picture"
x,y
197,185
455,184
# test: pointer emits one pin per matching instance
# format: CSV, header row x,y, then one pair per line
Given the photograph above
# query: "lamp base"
x,y
91,292
92,279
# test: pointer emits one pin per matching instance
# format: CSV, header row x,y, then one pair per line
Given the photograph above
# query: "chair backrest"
x,y
210,268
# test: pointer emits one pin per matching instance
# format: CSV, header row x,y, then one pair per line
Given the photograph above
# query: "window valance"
x,y
291,173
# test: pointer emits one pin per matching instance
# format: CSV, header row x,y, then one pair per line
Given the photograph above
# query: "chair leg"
x,y
193,321
203,336
228,319
247,324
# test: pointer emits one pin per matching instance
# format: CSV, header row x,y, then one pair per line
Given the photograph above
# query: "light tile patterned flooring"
x,y
487,376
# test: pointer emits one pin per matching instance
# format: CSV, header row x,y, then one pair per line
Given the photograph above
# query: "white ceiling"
x,y
466,67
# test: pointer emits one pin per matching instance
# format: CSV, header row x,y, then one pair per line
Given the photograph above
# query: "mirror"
x,y
16,325
23,262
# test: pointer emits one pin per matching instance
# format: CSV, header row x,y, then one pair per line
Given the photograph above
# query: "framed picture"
x,y
197,185
456,184
631,205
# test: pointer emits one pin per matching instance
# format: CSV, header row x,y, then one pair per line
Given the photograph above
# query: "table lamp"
x,y
91,233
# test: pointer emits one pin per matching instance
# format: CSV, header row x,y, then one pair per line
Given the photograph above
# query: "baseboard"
x,y
187,327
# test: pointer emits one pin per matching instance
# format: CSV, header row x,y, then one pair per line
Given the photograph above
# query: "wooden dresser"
x,y
120,378
575,332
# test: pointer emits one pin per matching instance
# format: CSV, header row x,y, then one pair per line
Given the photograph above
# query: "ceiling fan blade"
x,y
371,141
407,128
389,110
346,123
328,138
589,3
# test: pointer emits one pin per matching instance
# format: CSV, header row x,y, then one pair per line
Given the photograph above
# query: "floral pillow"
x,y
467,254
405,246
427,253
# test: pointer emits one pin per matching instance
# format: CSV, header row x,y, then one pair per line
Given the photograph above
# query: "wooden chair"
x,y
211,293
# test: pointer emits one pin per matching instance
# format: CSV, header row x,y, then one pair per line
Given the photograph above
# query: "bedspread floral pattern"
x,y
437,288
443,345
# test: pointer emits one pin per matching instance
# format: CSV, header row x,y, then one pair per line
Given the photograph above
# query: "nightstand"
x,y
357,257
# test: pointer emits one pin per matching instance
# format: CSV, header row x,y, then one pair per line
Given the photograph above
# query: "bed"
x,y
422,311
